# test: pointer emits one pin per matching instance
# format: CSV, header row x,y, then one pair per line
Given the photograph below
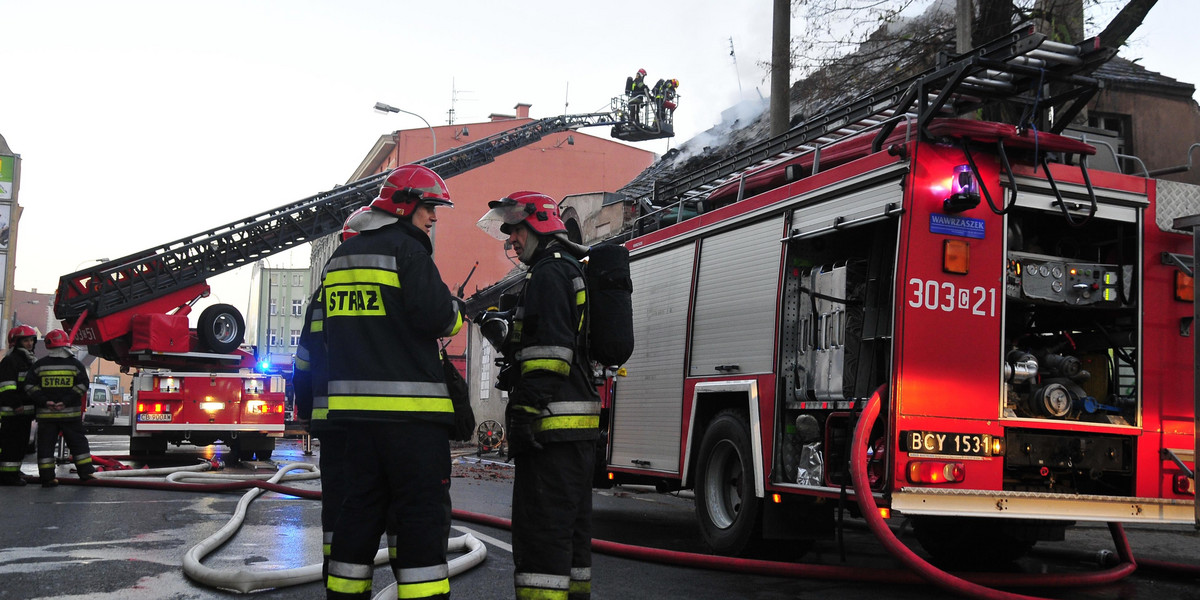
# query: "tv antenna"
x,y
735,67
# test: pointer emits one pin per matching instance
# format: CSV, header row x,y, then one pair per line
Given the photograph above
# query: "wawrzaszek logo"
x,y
960,226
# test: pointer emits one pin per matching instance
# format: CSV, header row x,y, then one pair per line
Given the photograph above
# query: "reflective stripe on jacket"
x,y
13,370
385,306
310,375
55,379
548,349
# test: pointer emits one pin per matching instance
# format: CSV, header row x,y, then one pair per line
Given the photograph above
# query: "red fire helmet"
x,y
538,211
21,331
57,339
409,185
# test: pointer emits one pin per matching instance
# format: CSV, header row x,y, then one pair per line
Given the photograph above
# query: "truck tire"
x,y
221,328
728,512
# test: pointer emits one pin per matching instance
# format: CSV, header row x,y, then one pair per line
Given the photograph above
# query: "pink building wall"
x,y
553,165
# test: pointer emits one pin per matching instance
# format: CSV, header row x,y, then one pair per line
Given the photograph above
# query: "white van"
x,y
102,408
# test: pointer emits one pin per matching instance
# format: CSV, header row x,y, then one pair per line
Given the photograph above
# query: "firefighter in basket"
x,y
664,97
16,408
638,93
385,308
553,413
57,383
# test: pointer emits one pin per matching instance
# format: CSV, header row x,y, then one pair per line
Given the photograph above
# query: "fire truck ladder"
x,y
1017,68
126,282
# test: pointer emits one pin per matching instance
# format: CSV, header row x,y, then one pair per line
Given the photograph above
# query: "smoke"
x,y
737,124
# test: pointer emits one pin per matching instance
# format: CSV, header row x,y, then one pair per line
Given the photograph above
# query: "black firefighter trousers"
x,y
71,429
397,480
333,464
14,437
552,521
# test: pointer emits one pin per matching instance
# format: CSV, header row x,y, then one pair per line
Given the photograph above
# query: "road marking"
x,y
483,537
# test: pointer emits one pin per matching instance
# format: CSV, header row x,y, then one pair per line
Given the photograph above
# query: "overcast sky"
x,y
144,122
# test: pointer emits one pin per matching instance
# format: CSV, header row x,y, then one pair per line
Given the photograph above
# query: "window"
x,y
273,309
295,280
1121,127
297,307
295,338
274,278
272,341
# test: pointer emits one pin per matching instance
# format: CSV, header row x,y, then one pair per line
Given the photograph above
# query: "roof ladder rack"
x,y
1006,69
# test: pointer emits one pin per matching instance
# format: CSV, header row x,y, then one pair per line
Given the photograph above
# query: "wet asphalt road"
x,y
111,543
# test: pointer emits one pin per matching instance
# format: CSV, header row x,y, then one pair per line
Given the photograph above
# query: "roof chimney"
x,y
522,110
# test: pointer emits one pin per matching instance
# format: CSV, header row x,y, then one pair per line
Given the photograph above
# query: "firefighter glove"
x,y
519,420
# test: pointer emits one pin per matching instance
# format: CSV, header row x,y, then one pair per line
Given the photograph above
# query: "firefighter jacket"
x,y
385,308
13,369
57,377
549,352
310,375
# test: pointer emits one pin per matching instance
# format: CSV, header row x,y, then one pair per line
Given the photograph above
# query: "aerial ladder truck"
x,y
197,385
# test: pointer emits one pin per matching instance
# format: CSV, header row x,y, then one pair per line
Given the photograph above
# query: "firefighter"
x,y
310,379
553,411
635,88
57,383
385,308
16,409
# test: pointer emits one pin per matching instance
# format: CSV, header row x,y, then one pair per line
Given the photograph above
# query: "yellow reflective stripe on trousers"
x,y
567,422
540,594
347,586
423,590
581,587
391,404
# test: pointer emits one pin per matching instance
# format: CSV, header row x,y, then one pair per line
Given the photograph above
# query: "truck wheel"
x,y
726,507
221,328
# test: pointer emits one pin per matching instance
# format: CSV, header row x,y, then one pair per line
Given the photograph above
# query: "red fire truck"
x,y
197,385
1024,323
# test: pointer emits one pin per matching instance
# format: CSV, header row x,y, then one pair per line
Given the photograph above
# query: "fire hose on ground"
x,y
974,585
197,478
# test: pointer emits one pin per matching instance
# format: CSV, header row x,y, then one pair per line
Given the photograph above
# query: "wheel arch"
x,y
710,398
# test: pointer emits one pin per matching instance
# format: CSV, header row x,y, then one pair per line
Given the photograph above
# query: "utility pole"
x,y
781,66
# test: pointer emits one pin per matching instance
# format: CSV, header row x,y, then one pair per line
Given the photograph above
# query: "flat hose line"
x,y
249,580
920,570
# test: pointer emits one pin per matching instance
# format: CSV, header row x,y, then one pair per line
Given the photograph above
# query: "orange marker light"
x,y
885,513
1185,287
956,256
777,498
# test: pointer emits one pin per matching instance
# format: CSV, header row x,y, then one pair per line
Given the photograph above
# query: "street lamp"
x,y
94,260
381,107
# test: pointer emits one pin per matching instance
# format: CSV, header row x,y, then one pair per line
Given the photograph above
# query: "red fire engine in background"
x,y
1024,322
